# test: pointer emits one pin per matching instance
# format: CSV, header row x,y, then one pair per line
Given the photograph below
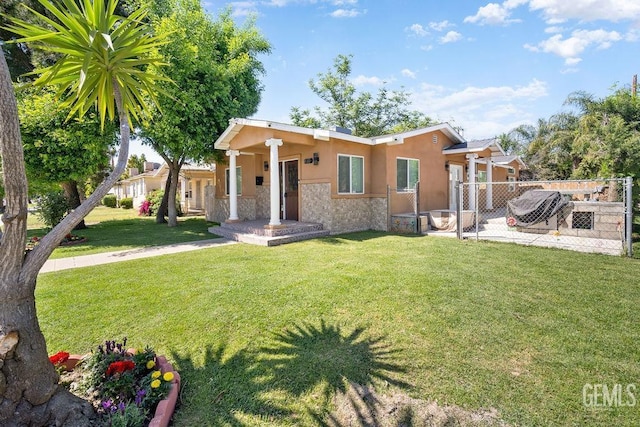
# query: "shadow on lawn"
x,y
306,357
261,384
224,387
360,236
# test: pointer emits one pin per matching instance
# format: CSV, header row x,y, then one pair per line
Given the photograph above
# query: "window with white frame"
x,y
238,181
350,174
407,173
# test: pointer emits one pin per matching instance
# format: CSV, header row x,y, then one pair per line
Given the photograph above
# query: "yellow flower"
x,y
151,364
155,383
156,374
168,376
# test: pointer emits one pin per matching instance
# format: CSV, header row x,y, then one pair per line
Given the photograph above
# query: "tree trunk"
x,y
73,197
174,170
29,392
162,209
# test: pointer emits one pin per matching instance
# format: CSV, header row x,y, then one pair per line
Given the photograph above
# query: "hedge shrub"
x,y
110,201
52,207
126,203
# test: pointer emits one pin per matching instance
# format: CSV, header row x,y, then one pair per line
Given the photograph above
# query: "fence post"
x,y
459,222
628,188
388,208
417,208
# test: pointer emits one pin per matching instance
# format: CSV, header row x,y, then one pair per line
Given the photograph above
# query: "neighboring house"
x,y
191,184
340,180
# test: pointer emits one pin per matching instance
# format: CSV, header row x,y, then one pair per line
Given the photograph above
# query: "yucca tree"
x,y
104,62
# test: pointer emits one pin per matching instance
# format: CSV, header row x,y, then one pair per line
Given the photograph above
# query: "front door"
x,y
455,176
289,199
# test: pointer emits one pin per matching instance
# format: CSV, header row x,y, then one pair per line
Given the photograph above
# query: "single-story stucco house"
x,y
192,182
330,177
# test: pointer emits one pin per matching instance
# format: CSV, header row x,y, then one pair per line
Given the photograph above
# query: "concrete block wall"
x,y
608,220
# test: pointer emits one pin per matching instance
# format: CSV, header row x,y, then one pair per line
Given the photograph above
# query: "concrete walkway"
x,y
129,254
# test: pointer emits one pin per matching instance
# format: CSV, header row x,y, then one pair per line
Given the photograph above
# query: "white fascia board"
x,y
389,140
442,127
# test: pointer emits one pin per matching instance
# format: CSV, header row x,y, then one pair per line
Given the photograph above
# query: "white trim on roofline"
x,y
398,138
235,125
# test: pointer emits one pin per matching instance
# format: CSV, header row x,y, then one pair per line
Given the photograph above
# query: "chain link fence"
x,y
581,215
403,210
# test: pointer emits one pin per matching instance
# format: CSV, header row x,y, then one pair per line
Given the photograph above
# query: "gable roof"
x,y
445,128
236,125
475,147
505,160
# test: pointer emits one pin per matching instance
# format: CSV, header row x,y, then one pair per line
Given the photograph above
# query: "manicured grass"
x,y
266,336
99,214
119,229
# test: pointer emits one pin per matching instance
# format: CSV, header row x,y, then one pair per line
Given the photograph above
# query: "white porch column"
x,y
472,180
183,194
233,186
274,178
489,185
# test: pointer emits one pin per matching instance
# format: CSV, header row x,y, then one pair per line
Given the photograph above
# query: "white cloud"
x,y
440,26
371,81
418,30
450,37
427,47
495,14
482,111
239,8
344,2
571,48
587,10
553,30
345,13
408,73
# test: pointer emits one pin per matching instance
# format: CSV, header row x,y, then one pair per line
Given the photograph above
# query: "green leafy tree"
x,y
215,75
134,162
59,151
363,113
103,60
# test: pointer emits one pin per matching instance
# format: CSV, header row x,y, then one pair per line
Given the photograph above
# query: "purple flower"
x,y
121,407
106,404
139,396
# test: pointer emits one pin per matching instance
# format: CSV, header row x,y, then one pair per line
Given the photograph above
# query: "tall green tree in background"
x,y
58,151
599,139
215,74
363,113
103,61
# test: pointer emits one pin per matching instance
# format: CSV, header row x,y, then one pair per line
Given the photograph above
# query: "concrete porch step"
x,y
246,236
257,232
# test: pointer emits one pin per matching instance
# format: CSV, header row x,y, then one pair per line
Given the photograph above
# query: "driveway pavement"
x,y
129,254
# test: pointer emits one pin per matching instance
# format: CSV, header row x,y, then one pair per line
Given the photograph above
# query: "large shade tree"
x,y
103,61
58,151
363,113
215,75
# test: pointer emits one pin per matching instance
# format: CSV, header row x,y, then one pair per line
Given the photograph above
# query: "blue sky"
x,y
486,67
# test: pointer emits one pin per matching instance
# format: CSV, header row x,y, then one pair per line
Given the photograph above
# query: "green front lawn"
x,y
119,229
267,336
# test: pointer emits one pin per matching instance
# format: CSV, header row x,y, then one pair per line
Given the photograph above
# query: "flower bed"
x,y
126,387
69,239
